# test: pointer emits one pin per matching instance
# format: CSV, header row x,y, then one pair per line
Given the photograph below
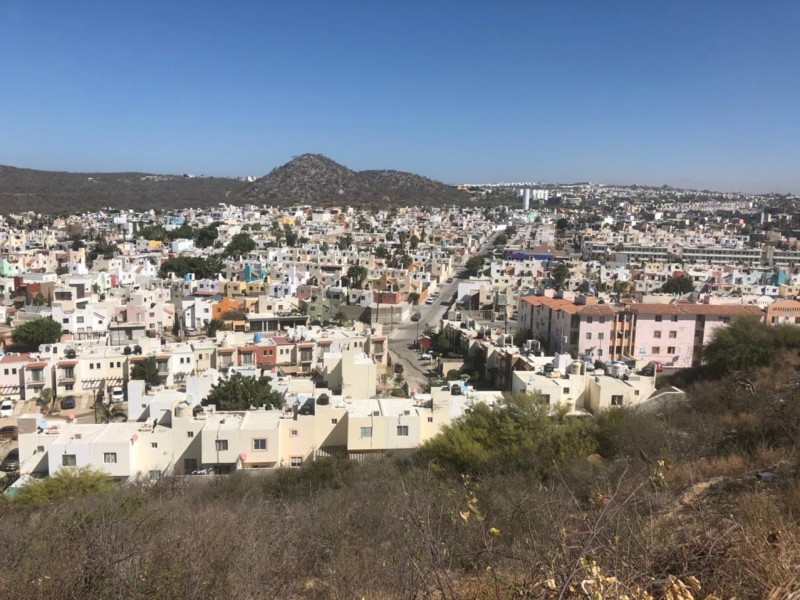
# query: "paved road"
x,y
402,339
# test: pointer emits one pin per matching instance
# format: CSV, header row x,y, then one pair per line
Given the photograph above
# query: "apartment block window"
x,y
658,318
260,444
566,390
110,458
670,349
293,433
221,445
190,434
674,318
601,335
656,350
154,475
657,335
430,419
602,319
65,321
189,465
163,367
616,400
673,334
589,319
154,444
588,335
296,461
366,432
334,421
80,319
402,430
68,460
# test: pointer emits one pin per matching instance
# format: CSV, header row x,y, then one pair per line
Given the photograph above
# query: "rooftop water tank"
x,y
256,338
574,368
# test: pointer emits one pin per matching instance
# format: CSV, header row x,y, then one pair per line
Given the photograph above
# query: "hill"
x,y
318,180
308,179
57,191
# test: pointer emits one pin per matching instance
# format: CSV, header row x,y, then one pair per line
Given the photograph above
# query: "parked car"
x,y
415,316
117,395
11,461
426,356
9,432
429,300
6,408
68,403
449,280
659,366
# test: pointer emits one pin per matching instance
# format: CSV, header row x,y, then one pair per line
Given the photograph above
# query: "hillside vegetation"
x,y
308,179
701,500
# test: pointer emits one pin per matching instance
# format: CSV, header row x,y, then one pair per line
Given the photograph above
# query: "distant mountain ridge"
x,y
308,179
316,179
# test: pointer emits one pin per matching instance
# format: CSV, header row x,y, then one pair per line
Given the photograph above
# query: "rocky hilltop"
x,y
318,180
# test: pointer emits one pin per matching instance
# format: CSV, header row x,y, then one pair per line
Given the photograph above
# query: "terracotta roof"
x,y
8,358
695,309
36,365
67,363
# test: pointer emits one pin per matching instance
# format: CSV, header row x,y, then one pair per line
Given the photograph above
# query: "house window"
x,y
65,321
602,319
601,335
190,434
293,433
402,430
674,318
658,318
670,349
656,350
566,390
616,400
68,460
154,444
162,366
366,432
247,359
673,334
110,458
334,421
154,475
430,419
588,335
260,444
80,319
589,319
296,461
657,335
221,445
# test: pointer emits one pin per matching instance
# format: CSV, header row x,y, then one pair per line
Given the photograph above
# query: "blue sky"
x,y
699,94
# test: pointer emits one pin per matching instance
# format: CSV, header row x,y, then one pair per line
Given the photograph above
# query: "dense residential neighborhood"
x,y
373,328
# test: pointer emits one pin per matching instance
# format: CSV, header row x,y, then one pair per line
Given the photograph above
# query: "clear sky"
x,y
702,93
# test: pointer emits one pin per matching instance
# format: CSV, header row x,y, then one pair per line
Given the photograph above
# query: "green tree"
x,y
146,370
560,274
240,245
67,483
474,265
382,252
501,240
214,325
519,434
413,298
562,224
413,242
345,242
290,236
678,285
356,274
205,237
240,392
35,333
62,270
522,336
744,344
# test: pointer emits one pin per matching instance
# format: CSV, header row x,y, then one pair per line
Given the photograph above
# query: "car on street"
x,y
416,316
9,432
11,461
117,395
426,356
449,280
6,408
658,366
429,300
68,403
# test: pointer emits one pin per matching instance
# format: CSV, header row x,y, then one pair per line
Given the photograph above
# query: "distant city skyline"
x,y
687,94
